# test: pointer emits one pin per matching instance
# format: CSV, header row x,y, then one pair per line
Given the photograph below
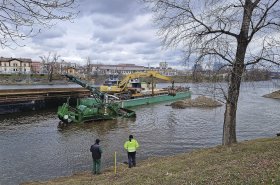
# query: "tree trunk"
x,y
229,130
51,74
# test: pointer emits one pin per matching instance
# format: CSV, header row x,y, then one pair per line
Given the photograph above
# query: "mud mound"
x,y
275,95
200,101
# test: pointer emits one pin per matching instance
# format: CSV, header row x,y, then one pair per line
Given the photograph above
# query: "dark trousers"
x,y
96,166
131,159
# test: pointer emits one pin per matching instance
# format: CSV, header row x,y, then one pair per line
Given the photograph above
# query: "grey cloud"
x,y
83,46
146,50
107,21
55,32
53,45
105,36
134,38
126,33
119,32
121,8
149,48
45,36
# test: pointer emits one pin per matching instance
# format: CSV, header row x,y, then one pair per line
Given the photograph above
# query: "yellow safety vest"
x,y
131,146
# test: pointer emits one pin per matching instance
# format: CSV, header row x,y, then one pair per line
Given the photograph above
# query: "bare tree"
x,y
49,62
88,68
21,18
238,33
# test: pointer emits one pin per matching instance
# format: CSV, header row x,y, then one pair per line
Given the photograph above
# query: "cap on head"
x,y
97,141
130,136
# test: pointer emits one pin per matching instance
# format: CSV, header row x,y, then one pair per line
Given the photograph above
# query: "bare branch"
x,y
21,18
263,22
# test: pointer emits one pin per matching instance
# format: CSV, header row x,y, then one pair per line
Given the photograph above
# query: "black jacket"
x,y
96,151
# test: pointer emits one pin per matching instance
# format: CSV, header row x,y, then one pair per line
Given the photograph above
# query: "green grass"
x,y
250,162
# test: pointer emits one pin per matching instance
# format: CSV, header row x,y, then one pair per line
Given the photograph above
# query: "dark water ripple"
x,y
33,148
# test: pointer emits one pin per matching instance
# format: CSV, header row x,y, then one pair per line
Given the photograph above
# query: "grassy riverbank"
x,y
249,162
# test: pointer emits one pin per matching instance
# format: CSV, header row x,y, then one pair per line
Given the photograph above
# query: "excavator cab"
x,y
112,80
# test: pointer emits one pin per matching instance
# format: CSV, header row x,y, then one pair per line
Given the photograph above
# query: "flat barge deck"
x,y
16,100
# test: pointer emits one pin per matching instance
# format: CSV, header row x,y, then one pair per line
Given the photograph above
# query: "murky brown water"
x,y
33,148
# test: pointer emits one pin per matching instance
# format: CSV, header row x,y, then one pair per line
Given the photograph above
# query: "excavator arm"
x,y
96,93
122,85
152,74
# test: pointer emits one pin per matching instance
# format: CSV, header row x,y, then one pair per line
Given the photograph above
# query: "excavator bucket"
x,y
126,113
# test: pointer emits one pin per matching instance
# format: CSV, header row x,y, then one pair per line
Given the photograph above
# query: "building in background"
x,y
15,65
64,67
36,67
164,69
123,69
26,66
163,65
71,70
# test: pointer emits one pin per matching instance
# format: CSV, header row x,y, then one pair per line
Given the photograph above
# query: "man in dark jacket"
x,y
96,152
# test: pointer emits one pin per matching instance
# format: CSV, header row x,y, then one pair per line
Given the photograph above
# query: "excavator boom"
x,y
122,85
99,96
143,74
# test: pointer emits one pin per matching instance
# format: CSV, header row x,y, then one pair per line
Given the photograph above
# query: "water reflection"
x,y
98,127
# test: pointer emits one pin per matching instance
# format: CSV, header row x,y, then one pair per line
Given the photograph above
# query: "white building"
x,y
126,69
163,65
123,69
15,65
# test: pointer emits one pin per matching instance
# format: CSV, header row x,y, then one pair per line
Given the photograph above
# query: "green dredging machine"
x,y
99,106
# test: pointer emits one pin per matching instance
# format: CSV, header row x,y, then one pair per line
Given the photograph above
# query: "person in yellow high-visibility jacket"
x,y
130,146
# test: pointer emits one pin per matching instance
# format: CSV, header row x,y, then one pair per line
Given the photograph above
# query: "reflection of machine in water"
x,y
100,106
101,127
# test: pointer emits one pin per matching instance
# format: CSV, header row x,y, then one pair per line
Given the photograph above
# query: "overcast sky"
x,y
107,31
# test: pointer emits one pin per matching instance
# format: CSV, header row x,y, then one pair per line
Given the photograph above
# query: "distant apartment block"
x,y
66,67
164,71
15,65
163,65
124,69
36,67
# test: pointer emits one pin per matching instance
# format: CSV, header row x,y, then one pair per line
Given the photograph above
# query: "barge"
x,y
110,105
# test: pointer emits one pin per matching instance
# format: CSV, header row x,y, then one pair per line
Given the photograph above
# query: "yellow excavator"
x,y
125,84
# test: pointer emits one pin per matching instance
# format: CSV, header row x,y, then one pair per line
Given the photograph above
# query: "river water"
x,y
33,148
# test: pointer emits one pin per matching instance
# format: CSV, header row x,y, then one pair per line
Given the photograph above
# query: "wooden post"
x,y
115,163
152,86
